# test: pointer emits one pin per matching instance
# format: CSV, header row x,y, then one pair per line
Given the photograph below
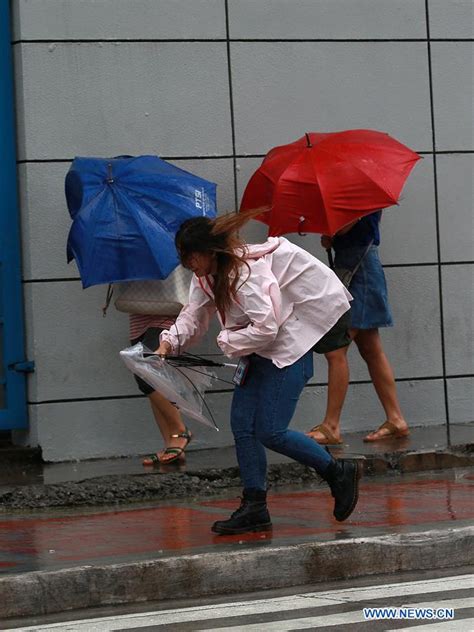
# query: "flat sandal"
x,y
177,453
330,438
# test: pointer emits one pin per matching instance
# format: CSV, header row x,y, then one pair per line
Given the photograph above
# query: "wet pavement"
x,y
390,504
420,440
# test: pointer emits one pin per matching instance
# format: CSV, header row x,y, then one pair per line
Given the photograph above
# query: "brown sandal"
x,y
177,453
393,433
329,438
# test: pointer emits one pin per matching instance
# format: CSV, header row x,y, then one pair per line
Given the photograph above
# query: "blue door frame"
x,y
13,410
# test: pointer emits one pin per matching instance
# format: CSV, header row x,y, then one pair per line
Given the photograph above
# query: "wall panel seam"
x,y
27,161
303,40
429,378
437,222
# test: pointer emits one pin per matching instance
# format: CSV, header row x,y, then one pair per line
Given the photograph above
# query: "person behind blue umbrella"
x,y
126,212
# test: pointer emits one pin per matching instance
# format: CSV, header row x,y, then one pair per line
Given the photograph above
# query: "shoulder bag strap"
x,y
357,266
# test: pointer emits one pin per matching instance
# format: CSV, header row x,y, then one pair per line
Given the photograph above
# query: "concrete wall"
x,y
212,85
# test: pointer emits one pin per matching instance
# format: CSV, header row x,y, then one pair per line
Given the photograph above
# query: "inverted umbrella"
x,y
178,381
323,182
126,212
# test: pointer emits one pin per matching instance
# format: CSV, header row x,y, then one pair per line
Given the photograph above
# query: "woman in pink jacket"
x,y
274,302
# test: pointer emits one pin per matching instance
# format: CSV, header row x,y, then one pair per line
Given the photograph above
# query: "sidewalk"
x,y
207,472
75,559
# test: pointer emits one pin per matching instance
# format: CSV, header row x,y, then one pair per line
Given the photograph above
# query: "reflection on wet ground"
x,y
36,473
392,504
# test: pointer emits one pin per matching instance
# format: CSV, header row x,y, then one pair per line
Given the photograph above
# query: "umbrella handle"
x,y
330,258
108,298
302,221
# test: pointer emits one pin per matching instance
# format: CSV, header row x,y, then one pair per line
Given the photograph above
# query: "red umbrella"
x,y
322,182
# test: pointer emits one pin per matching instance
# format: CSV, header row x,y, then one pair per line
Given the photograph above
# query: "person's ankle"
x,y
333,426
397,421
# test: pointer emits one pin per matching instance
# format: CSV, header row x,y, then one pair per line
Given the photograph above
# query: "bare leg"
x,y
370,347
169,421
162,425
338,383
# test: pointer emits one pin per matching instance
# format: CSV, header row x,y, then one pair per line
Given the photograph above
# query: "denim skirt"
x,y
370,308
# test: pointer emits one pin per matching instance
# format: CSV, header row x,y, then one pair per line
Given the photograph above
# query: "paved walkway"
x,y
396,504
421,440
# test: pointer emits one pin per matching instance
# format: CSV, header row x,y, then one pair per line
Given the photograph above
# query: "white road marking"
x,y
354,616
273,605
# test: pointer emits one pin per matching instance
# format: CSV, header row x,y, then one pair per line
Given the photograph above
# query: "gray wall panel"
x,y
172,98
119,19
119,98
408,231
75,349
452,93
45,221
458,307
413,345
327,19
112,428
282,90
81,430
461,400
456,206
451,18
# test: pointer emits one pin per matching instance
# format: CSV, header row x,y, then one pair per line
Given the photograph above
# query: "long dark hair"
x,y
220,238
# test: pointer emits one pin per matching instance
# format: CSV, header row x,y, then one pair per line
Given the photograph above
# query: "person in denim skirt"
x,y
370,310
274,301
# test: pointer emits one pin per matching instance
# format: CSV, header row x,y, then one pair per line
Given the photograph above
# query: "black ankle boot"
x,y
343,479
252,515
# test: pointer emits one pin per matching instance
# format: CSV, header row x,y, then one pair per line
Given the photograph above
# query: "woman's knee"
x,y
273,440
240,426
369,344
337,357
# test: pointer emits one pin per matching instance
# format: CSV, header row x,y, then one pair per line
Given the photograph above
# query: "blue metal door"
x,y
12,365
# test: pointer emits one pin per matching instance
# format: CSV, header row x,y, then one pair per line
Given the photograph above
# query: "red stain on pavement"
x,y
46,541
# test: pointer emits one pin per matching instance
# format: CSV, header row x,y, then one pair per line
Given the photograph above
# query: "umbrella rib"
x,y
320,189
192,357
190,368
134,214
93,246
199,394
336,153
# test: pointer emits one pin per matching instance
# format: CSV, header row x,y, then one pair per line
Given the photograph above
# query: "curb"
x,y
123,489
419,461
207,574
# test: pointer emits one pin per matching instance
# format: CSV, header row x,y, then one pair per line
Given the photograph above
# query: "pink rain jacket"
x,y
282,308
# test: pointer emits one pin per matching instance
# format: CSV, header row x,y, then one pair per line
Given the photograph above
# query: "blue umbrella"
x,y
126,212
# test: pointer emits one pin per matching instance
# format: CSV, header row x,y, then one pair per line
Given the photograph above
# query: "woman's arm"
x,y
191,324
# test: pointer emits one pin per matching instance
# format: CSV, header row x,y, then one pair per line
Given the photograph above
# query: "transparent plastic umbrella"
x,y
185,386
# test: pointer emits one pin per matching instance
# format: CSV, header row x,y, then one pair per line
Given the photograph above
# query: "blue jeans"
x,y
261,412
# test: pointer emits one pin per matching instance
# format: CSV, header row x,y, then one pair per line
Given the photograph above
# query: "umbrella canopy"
x,y
183,386
322,182
126,212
